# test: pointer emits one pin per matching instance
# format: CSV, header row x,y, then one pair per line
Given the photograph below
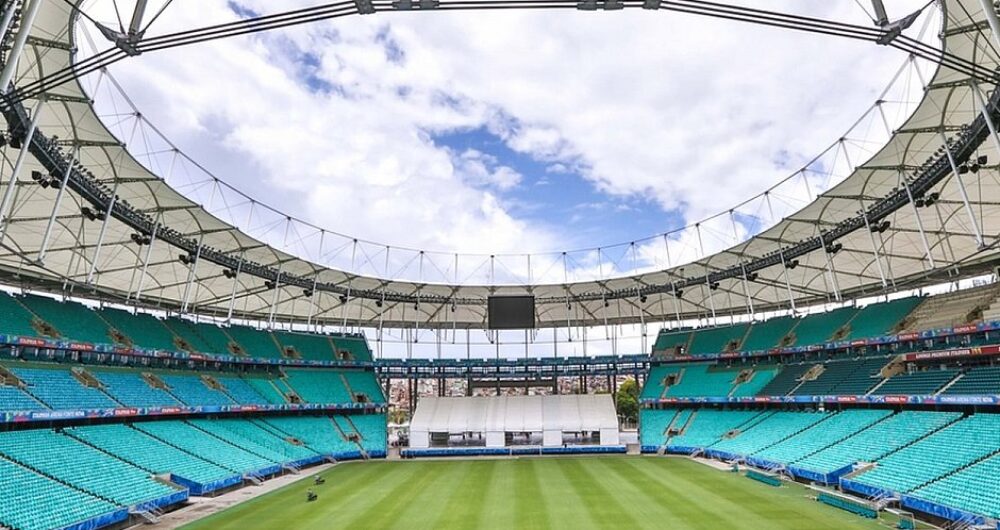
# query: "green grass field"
x,y
571,492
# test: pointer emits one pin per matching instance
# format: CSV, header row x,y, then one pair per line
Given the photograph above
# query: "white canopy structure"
x,y
494,417
104,225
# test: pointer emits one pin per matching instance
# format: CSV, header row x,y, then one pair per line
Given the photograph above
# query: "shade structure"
x,y
898,241
496,416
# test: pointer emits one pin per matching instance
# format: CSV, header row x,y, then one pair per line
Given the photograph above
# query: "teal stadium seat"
x,y
318,385
14,318
878,440
670,340
57,388
130,389
365,383
255,343
771,430
195,441
977,381
74,321
936,455
820,328
30,501
318,433
357,347
145,331
916,384
876,320
309,346
768,334
251,438
708,426
822,435
785,380
974,489
82,466
148,453
712,341
192,390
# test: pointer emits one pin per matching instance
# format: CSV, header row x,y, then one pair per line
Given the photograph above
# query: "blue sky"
x,y
509,132
557,195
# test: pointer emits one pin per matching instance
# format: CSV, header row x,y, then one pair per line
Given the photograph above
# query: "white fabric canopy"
x,y
569,413
904,255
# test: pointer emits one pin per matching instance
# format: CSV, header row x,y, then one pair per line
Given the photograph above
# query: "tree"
x,y
627,400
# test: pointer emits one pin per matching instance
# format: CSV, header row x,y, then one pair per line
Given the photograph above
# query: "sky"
x,y
505,132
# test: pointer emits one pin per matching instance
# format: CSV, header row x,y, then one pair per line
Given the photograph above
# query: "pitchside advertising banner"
x,y
886,339
58,415
162,354
142,352
988,400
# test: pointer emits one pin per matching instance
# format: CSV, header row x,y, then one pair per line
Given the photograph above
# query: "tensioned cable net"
x,y
887,205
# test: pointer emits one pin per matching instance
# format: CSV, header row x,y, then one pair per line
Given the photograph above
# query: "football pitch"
x,y
570,492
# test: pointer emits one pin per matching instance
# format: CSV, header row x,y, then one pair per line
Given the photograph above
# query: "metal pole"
x,y
22,155
871,237
830,269
746,289
961,189
27,21
312,293
232,295
145,259
788,284
55,209
104,229
192,272
920,223
991,17
274,297
136,25
347,300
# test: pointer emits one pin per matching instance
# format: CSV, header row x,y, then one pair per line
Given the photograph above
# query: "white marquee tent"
x,y
495,416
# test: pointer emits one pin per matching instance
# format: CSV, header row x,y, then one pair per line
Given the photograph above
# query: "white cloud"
x,y
696,114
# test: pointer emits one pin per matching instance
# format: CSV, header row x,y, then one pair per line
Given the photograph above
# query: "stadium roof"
x,y
231,271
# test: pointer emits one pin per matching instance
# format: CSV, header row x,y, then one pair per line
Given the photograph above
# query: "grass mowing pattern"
x,y
569,492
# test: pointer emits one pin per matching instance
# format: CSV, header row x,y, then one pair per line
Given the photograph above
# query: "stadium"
x,y
181,348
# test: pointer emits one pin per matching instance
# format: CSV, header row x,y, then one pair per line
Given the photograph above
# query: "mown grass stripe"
x,y
576,493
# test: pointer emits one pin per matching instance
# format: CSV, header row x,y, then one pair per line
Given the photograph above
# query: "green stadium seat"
x,y
318,385
74,321
768,334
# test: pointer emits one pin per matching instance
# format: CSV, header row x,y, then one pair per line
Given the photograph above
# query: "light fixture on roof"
x,y
343,298
229,273
187,259
140,238
87,212
792,264
378,303
307,293
834,247
270,284
642,299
